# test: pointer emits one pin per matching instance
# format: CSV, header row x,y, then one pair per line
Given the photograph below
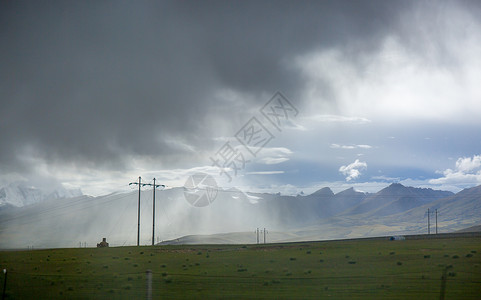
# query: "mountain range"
x,y
394,210
21,193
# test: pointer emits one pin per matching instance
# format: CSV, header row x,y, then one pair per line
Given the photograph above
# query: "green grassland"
x,y
350,269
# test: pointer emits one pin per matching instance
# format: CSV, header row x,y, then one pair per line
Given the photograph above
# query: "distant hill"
x,y
476,228
231,238
466,203
326,204
324,192
395,199
347,199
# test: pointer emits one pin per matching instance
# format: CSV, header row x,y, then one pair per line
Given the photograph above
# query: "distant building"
x,y
103,243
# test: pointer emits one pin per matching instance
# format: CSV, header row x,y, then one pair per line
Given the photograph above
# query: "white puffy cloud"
x,y
338,119
386,178
337,146
265,172
467,171
352,171
468,164
273,155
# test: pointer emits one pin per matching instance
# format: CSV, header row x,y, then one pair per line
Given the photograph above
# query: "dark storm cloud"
x,y
89,82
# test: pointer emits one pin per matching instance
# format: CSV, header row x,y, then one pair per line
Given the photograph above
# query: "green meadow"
x,y
350,269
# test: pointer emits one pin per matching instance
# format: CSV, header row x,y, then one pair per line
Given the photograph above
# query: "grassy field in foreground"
x,y
359,269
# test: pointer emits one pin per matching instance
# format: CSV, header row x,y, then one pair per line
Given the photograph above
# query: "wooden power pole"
x,y
153,206
138,210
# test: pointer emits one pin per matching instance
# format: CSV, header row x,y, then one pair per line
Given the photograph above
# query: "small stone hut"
x,y
103,243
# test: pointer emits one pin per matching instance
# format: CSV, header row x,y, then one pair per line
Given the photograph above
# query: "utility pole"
x,y
153,206
265,231
443,284
4,283
138,211
257,235
429,225
148,275
436,221
153,218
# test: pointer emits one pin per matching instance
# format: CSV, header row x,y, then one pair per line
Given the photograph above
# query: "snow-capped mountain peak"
x,y
20,194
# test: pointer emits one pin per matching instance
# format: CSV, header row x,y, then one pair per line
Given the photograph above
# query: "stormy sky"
x,y
94,94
